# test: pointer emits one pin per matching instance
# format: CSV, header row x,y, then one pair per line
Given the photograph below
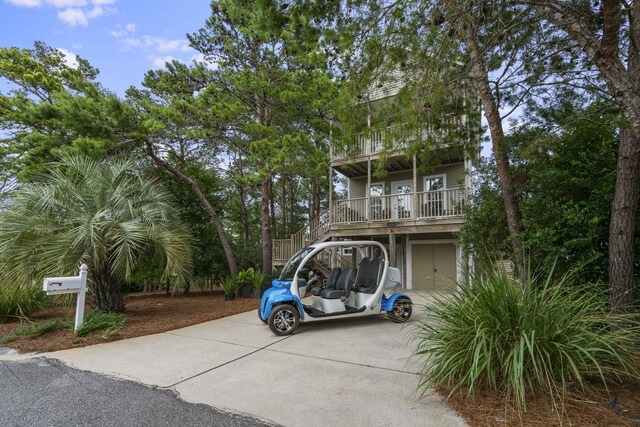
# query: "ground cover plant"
x,y
547,338
18,302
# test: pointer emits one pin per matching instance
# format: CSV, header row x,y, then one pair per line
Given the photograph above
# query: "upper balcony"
x,y
393,142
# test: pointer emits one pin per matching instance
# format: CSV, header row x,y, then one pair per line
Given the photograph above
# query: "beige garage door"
x,y
434,266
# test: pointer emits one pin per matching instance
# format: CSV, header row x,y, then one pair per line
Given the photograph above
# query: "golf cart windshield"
x,y
290,268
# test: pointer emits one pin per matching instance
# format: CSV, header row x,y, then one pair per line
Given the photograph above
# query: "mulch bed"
x,y
597,407
146,312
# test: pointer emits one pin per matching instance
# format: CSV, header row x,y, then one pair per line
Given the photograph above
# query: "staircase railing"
x,y
314,230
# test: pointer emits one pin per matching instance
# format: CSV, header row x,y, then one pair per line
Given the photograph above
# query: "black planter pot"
x,y
257,292
229,297
245,291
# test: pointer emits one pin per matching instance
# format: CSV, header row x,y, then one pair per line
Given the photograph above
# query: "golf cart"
x,y
358,282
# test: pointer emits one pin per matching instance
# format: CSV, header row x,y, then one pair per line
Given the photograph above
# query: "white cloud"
x,y
66,3
157,44
199,57
69,57
25,3
121,31
160,61
76,12
74,17
95,12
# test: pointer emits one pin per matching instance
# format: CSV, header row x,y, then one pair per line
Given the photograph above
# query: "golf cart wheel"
x,y
260,316
283,320
401,311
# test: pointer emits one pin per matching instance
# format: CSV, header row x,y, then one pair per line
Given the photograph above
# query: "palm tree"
x,y
106,214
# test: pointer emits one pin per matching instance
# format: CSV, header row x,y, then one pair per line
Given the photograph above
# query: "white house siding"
x,y
454,176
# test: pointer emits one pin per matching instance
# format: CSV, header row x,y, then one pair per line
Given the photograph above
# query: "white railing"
x,y
441,203
373,142
437,204
349,210
394,137
430,204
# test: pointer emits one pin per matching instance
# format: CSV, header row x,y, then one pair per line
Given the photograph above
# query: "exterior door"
x,y
422,276
376,193
434,203
402,199
434,267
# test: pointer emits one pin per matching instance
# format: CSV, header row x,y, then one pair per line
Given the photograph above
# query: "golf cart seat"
x,y
343,286
368,276
331,281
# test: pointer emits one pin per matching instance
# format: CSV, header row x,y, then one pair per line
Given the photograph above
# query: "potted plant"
x,y
244,280
257,280
229,286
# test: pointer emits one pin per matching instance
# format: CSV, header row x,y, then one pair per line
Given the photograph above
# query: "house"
x,y
415,210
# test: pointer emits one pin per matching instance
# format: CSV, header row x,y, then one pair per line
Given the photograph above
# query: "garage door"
x,y
434,266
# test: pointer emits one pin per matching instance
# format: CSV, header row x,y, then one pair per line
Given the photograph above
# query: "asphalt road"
x,y
44,392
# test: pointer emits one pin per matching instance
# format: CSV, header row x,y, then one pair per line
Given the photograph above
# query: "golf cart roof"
x,y
347,243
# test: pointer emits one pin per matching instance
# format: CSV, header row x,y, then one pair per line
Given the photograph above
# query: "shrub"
x,y
229,285
258,279
97,321
19,301
498,335
34,330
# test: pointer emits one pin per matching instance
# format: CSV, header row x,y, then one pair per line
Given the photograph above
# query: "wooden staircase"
x,y
315,231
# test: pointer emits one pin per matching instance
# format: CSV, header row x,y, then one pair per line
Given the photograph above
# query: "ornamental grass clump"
x,y
18,302
499,335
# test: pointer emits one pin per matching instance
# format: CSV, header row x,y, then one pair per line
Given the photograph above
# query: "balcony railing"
x,y
395,137
437,204
407,206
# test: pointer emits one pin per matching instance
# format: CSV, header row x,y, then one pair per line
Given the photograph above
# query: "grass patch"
x,y
110,323
546,338
18,302
34,330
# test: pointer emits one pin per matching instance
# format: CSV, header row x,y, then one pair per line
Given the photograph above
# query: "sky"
x,y
122,38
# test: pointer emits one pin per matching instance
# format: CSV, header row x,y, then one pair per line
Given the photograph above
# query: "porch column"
x,y
330,169
405,262
415,210
368,208
334,255
392,249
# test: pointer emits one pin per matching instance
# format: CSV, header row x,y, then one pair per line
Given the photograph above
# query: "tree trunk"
x,y
106,293
623,222
213,216
286,230
492,113
243,205
315,198
272,210
266,228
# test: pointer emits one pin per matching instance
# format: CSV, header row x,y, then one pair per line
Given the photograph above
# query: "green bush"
x,y
19,301
495,334
229,285
110,323
34,330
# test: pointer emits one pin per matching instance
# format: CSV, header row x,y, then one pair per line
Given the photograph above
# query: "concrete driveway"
x,y
339,373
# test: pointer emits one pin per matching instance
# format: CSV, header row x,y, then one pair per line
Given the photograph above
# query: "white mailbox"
x,y
62,285
70,285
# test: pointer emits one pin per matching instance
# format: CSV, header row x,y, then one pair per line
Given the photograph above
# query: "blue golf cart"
x,y
344,278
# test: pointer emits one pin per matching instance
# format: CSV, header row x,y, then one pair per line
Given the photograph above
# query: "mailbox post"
x,y
70,285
